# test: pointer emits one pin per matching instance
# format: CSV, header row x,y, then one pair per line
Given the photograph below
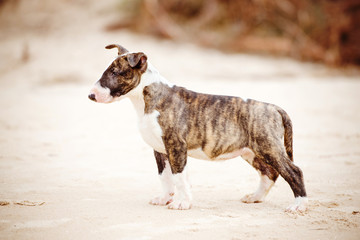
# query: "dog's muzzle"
x,y
100,94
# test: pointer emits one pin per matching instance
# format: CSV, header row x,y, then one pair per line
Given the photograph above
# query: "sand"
x,y
74,169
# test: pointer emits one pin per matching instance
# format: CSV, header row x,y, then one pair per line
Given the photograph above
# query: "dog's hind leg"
x,y
166,179
292,175
268,176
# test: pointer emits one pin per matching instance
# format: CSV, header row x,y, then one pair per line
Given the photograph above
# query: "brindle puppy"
x,y
178,123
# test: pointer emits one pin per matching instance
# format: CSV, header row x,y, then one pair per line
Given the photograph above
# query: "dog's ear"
x,y
121,49
137,60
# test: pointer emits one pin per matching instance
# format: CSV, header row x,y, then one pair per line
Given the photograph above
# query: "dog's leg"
x,y
293,176
177,154
166,179
268,176
183,197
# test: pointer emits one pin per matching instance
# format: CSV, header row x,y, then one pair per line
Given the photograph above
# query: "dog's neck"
x,y
150,76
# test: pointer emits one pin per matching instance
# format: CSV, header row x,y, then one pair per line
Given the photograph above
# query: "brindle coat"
x,y
217,125
224,124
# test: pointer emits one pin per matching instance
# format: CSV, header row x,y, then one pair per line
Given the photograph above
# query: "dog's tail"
x,y
288,135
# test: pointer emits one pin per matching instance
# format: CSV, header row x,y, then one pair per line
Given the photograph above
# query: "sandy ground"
x,y
74,169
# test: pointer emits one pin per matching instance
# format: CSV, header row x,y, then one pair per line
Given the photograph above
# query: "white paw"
x,y
294,208
251,198
300,206
180,205
162,201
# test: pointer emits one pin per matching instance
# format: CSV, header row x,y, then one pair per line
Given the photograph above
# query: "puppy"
x,y
178,123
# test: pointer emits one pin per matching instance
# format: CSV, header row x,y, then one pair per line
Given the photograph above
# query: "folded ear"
x,y
121,49
137,60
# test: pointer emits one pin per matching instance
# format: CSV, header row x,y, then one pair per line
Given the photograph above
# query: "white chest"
x,y
151,131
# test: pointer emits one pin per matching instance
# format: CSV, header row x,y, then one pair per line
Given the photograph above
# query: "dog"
x,y
178,123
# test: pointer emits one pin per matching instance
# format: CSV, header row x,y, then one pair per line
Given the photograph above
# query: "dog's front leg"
x,y
183,197
177,154
166,179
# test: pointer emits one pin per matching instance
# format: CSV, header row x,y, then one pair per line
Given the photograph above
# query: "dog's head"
x,y
122,76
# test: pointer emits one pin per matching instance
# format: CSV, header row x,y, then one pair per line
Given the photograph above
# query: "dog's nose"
x,y
92,97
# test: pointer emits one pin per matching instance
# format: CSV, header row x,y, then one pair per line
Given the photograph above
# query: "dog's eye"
x,y
113,72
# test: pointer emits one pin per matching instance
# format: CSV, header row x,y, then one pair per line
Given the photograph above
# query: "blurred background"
x,y
326,31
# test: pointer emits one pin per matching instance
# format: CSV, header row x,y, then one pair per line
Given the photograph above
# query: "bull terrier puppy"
x,y
178,123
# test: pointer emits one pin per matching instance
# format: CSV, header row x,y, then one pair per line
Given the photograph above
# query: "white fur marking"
x,y
102,95
299,206
151,131
183,197
152,75
198,153
168,187
264,187
136,95
245,153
